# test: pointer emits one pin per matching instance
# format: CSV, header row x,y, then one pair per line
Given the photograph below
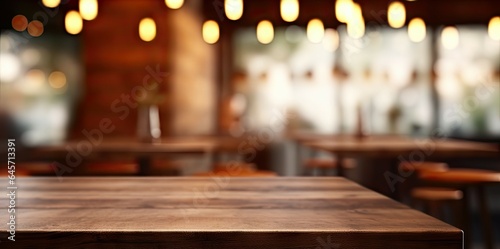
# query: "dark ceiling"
x,y
53,19
434,12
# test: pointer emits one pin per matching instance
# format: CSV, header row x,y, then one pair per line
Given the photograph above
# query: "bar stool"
x,y
469,180
413,181
434,199
420,167
413,186
237,169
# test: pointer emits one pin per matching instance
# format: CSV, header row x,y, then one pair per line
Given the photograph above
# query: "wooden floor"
x,y
216,213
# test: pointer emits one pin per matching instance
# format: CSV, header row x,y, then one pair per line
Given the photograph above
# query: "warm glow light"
x,y
35,28
51,3
356,28
233,9
57,80
447,87
147,29
289,10
315,31
174,4
396,15
343,10
494,28
356,13
210,32
450,38
19,23
331,40
416,30
353,14
73,22
34,79
88,9
355,22
10,67
265,32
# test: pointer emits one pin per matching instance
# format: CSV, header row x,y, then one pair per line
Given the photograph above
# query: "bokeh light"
x,y
19,23
35,28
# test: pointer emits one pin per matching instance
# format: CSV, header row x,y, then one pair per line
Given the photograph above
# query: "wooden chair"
x,y
420,167
469,180
237,169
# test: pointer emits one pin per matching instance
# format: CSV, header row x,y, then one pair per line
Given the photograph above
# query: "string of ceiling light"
x,y
347,12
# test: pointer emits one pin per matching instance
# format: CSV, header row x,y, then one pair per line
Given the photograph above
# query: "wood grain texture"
x,y
200,212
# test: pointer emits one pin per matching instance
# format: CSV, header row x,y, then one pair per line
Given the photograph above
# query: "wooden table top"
x,y
134,147
307,136
157,212
393,146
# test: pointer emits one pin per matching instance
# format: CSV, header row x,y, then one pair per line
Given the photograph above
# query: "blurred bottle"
x,y
360,134
148,123
148,116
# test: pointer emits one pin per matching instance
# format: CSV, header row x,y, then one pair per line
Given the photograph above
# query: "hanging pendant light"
x,y
147,29
73,22
450,38
233,9
210,32
494,28
416,30
289,10
174,4
396,15
88,9
315,30
265,32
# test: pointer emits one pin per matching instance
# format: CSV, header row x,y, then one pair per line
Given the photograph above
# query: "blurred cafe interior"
x,y
399,97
